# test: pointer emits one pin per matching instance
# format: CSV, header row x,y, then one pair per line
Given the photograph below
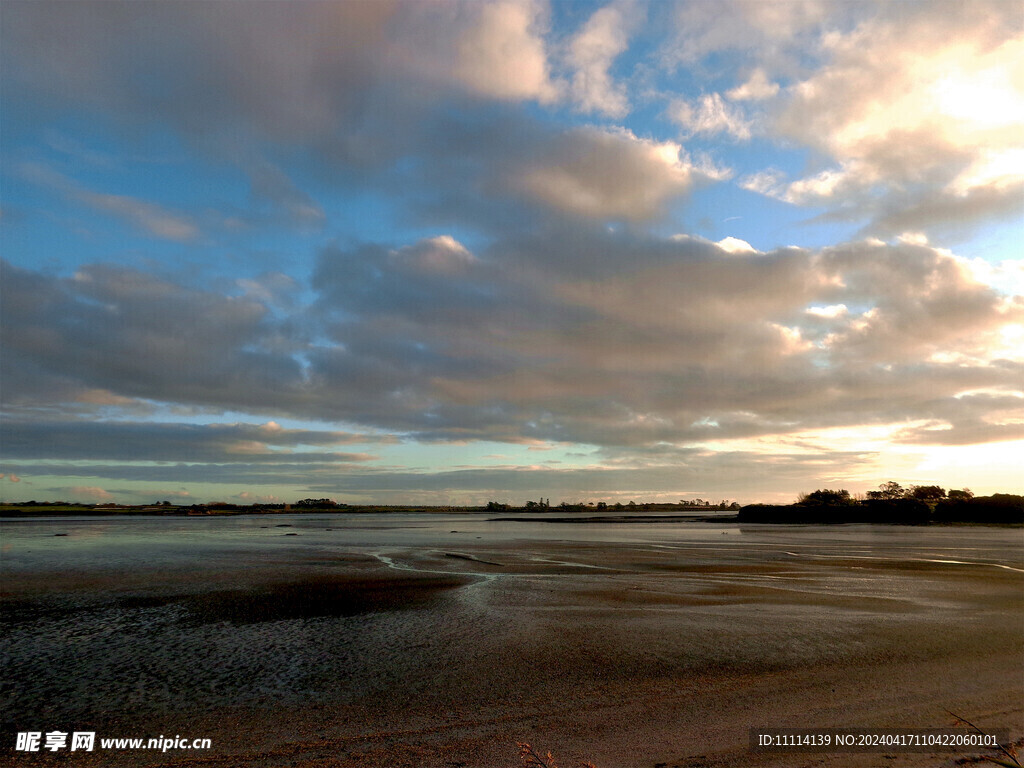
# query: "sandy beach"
x,y
655,651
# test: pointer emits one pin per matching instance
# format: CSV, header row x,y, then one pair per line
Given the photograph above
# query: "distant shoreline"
x,y
20,513
823,507
52,510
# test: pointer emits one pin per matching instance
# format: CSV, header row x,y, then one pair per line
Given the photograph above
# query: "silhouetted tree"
x,y
827,497
997,508
927,492
889,491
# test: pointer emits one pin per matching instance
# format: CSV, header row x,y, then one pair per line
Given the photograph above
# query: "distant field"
x,y
52,509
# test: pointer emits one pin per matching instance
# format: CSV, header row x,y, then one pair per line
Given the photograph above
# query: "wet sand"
x,y
621,654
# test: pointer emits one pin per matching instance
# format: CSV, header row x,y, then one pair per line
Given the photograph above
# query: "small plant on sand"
x,y
531,759
1009,751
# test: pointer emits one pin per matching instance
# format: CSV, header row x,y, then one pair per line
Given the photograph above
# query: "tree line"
x,y
891,503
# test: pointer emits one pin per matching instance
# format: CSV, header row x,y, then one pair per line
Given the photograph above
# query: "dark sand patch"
x,y
312,597
318,597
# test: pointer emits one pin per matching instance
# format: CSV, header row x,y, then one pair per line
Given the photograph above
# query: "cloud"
x,y
591,54
735,245
675,356
919,114
757,88
666,474
440,255
146,216
501,53
415,101
217,443
224,74
87,492
740,343
610,174
504,172
829,187
273,289
709,115
304,67
134,335
163,493
768,29
271,186
583,335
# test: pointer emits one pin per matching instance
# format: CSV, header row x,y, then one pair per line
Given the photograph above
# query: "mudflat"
x,y
657,646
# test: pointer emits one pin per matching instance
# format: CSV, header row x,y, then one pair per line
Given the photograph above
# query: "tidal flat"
x,y
443,640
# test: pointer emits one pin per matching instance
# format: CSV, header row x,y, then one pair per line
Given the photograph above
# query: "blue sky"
x,y
449,252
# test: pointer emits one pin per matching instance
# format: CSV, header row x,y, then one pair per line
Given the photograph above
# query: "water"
x,y
161,542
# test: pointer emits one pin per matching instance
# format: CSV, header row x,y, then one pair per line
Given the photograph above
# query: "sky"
x,y
448,252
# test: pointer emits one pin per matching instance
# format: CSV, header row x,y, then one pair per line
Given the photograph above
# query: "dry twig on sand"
x,y
531,759
1010,753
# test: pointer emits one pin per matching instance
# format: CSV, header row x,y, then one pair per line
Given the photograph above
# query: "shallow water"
x,y
83,543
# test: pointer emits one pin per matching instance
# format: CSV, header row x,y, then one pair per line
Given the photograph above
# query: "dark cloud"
x,y
974,417
135,335
599,338
282,70
219,443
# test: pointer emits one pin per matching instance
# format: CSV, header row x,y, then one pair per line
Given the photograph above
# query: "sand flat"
x,y
366,648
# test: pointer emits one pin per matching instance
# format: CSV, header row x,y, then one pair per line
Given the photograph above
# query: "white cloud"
x,y
757,88
709,115
592,52
735,245
998,169
913,238
770,182
764,26
501,53
921,112
442,254
830,312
